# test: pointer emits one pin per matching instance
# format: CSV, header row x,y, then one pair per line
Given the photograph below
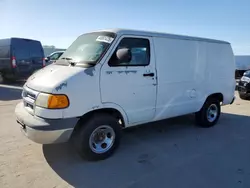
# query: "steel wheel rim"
x,y
102,139
212,113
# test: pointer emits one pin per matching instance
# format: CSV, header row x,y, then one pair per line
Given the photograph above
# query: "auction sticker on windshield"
x,y
105,39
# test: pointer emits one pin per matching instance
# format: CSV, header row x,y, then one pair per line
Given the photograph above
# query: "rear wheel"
x,y
98,138
209,113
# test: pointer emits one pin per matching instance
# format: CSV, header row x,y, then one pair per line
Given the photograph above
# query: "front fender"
x,y
111,106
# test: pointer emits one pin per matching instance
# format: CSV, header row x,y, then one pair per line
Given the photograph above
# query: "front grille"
x,y
31,95
29,98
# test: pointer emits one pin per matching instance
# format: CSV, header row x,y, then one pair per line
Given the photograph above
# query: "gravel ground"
x,y
171,153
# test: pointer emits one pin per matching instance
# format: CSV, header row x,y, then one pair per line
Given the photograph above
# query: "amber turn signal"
x,y
58,101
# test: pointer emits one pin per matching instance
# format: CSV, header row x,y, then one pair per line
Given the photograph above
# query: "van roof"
x,y
16,38
158,34
8,40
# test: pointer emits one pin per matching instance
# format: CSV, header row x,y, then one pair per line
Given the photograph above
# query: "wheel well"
x,y
218,96
115,113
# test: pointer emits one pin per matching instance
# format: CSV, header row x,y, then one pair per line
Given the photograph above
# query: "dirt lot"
x,y
171,153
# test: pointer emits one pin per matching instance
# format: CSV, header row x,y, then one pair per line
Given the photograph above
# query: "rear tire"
x,y
209,114
98,138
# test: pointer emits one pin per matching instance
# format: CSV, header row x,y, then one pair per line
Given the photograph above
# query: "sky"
x,y
60,22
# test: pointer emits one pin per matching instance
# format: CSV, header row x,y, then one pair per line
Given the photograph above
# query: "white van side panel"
x,y
220,71
178,76
188,72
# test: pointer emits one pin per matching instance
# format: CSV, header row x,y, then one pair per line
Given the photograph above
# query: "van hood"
x,y
51,77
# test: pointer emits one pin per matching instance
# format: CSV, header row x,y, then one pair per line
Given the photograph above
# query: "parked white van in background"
x,y
113,79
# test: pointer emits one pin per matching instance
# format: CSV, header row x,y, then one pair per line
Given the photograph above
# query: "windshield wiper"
x,y
81,63
67,58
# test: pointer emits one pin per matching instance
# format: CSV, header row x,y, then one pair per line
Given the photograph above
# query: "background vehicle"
x,y
244,86
49,49
19,58
242,63
53,57
113,79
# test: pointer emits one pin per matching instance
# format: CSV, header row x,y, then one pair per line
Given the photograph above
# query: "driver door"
x,y
131,85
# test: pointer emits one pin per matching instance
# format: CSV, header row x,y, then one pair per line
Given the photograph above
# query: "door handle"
x,y
149,74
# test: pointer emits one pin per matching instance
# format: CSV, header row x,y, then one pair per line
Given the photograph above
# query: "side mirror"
x,y
124,55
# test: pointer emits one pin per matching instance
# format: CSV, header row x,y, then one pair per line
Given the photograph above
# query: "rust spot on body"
x,y
90,71
61,86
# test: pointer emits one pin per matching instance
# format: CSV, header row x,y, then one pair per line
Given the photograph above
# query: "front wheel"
x,y
243,96
98,138
209,113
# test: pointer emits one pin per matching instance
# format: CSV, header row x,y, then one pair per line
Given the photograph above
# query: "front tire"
x,y
98,137
209,114
243,96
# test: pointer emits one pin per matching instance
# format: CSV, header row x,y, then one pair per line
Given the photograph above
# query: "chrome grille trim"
x,y
29,97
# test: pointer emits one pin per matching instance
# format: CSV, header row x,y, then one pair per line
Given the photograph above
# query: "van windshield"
x,y
88,48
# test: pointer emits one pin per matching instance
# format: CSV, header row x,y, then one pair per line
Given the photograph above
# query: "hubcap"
x,y
102,139
212,113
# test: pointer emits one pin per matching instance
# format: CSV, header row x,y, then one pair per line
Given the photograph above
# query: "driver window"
x,y
140,51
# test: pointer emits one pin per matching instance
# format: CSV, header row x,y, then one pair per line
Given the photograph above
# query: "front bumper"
x,y
44,131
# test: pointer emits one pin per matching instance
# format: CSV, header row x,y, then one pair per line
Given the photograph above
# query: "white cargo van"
x,y
113,79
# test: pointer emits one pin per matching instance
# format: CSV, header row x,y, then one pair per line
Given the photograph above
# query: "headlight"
x,y
52,101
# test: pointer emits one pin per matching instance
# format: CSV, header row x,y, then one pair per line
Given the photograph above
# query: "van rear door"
x,y
28,54
36,55
20,51
5,58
